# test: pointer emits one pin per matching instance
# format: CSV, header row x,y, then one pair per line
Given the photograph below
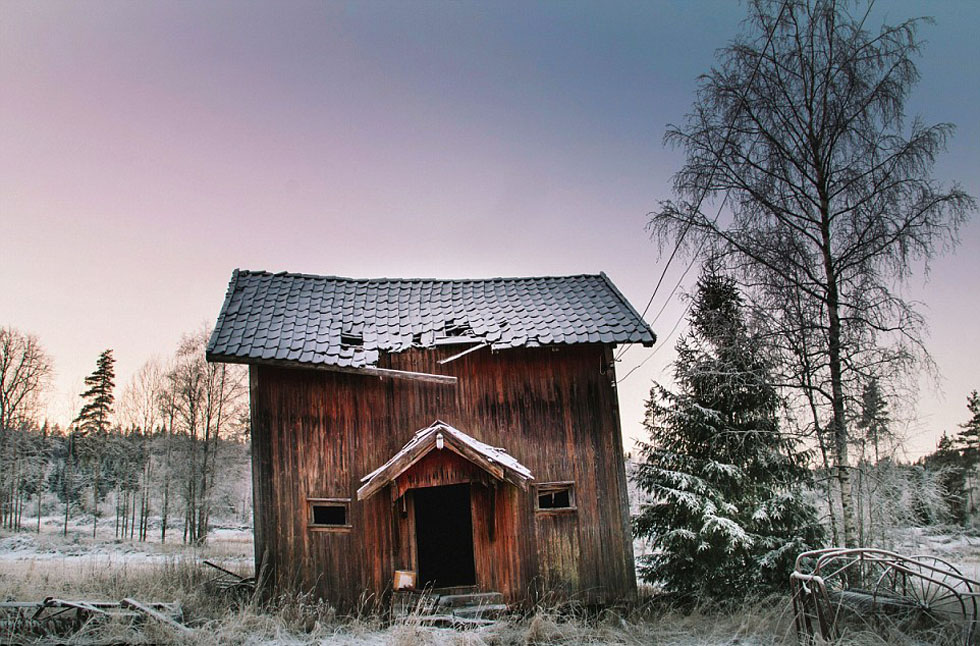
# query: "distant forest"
x,y
160,461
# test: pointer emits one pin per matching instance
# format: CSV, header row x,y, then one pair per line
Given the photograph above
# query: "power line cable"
x,y
704,193
694,259
658,348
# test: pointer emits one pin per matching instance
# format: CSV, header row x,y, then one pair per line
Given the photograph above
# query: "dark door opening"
x,y
444,536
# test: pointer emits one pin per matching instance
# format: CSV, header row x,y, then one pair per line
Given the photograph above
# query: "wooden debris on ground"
x,y
156,614
23,622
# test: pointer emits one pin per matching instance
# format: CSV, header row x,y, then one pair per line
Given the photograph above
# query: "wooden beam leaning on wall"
x,y
370,371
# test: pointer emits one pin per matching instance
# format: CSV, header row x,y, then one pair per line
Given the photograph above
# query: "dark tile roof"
x,y
348,322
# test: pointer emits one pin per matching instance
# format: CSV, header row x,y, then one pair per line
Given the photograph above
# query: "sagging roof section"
x,y
345,322
441,436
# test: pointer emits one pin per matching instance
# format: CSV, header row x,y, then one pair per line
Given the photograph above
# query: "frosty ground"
x,y
33,566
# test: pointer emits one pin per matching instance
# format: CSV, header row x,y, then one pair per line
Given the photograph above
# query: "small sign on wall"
x,y
404,580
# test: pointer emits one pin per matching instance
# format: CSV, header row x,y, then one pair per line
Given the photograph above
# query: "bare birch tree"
x,y
24,372
207,402
168,412
801,128
140,406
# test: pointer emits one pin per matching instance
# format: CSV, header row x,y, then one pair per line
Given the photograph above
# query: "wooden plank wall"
x,y
316,433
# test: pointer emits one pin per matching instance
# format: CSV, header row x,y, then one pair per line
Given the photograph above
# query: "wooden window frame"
x,y
333,502
543,488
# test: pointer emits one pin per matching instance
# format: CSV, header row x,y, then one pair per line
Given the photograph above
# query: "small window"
x,y
329,513
555,496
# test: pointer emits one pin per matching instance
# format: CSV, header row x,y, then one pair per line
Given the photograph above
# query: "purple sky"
x,y
146,150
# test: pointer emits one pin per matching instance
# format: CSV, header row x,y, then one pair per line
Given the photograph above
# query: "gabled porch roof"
x,y
495,461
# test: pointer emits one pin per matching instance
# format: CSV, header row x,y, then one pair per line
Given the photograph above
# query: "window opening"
x,y
553,496
329,513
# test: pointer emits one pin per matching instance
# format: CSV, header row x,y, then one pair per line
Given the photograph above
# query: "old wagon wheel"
x,y
926,592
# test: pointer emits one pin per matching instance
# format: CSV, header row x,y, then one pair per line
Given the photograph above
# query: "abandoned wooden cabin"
x,y
459,433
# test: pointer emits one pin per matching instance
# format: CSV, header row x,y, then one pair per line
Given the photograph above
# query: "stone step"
x,y
486,611
452,621
473,599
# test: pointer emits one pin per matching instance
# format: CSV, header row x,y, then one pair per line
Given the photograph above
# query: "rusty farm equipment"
x,y
837,590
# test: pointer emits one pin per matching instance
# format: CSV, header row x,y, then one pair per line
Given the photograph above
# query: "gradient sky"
x,y
147,149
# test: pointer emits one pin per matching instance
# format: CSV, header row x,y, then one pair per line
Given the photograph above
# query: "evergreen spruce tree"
x,y
92,423
874,419
727,514
968,439
968,442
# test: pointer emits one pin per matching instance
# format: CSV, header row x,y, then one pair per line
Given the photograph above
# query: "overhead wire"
x,y
694,259
704,193
658,348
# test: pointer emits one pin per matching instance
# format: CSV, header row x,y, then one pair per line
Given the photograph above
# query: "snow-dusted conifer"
x,y
727,514
874,419
93,424
969,438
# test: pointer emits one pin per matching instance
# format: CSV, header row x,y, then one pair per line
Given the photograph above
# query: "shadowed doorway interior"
x,y
444,536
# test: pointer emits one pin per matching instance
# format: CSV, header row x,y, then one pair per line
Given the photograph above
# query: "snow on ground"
x,y
961,549
230,545
24,547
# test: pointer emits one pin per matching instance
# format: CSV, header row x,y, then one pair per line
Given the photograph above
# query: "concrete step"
x,y
486,611
473,599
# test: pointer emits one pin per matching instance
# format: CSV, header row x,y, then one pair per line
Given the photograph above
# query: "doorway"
x,y
444,536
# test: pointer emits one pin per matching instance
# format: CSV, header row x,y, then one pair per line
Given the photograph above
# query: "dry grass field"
x,y
33,567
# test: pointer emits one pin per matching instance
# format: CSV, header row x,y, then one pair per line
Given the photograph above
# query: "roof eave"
x,y
427,441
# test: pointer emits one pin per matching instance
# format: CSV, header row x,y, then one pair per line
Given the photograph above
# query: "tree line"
x,y
164,457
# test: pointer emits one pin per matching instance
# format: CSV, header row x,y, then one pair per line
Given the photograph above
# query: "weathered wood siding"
x,y
316,433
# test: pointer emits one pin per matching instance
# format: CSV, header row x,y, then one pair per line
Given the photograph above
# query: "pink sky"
x,y
147,149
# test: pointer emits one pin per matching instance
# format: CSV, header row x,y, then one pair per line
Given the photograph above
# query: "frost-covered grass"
x,y
221,619
299,621
32,568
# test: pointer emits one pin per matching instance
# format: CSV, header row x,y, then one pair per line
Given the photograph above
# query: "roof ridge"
x,y
380,279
